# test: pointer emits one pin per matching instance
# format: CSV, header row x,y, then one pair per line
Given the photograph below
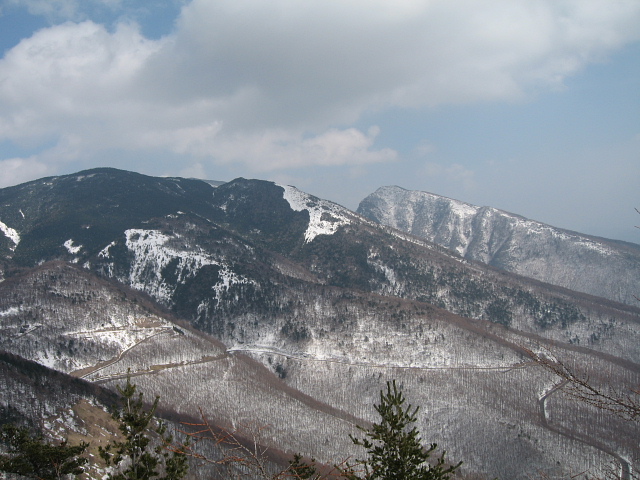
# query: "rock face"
x,y
259,304
597,266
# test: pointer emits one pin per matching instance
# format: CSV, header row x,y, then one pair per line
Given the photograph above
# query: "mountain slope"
x,y
327,305
597,266
249,250
68,217
474,379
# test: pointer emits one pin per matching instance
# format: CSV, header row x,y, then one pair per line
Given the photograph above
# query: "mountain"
x,y
63,406
601,267
258,304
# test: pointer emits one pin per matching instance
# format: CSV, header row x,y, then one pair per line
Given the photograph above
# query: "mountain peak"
x,y
511,242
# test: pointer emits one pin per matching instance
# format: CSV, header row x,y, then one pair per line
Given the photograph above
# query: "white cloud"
x,y
423,149
72,79
321,59
266,83
279,149
20,170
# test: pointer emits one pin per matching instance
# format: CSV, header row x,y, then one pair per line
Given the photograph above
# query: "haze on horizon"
x,y
530,107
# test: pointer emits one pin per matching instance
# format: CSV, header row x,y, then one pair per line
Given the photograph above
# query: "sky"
x,y
530,106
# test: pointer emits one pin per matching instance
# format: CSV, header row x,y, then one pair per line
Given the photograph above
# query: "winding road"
x,y
625,467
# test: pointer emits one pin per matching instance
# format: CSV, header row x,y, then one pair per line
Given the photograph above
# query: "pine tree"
x,y
394,447
299,469
137,457
33,457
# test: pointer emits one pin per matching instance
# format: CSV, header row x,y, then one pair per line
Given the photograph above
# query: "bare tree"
x,y
240,455
619,401
625,403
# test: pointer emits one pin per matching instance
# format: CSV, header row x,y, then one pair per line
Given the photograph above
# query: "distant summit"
x,y
606,268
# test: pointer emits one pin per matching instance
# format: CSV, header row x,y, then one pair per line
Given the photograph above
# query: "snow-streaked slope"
x,y
329,303
324,217
11,234
511,242
153,252
66,320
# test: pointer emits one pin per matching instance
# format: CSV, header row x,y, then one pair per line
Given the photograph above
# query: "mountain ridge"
x,y
279,292
602,267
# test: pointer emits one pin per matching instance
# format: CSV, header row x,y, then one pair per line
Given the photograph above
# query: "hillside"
x,y
263,305
597,266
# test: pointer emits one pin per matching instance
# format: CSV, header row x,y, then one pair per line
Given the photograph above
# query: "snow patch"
x,y
463,210
79,178
152,255
11,234
43,358
324,217
71,248
123,338
104,253
10,311
228,278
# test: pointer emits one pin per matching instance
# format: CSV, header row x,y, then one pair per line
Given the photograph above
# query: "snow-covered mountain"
x,y
263,305
597,266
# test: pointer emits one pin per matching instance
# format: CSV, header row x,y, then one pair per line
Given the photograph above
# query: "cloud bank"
x,y
279,84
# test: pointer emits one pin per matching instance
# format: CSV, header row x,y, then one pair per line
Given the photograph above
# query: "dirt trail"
x,y
83,373
625,473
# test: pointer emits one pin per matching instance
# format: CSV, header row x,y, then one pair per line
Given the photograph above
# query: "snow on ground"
x,y
123,338
150,250
10,311
463,210
228,278
408,203
104,253
11,234
79,178
152,253
576,238
324,217
71,248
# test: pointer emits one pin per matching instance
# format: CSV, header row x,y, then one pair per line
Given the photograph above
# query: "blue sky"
x,y
531,107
